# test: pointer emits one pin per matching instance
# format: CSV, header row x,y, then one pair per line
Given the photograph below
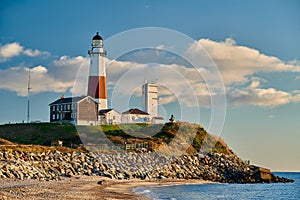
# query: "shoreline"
x,y
83,187
131,185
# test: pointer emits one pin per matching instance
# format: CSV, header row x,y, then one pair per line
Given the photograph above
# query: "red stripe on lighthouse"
x,y
97,87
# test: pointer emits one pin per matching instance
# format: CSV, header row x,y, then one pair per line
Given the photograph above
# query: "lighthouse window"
x,y
68,107
53,108
53,116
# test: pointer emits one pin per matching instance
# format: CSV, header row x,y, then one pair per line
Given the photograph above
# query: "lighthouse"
x,y
97,73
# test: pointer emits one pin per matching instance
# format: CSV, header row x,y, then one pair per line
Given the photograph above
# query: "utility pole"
x,y
28,97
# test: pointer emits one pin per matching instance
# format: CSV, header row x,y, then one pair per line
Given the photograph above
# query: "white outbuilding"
x,y
109,116
135,115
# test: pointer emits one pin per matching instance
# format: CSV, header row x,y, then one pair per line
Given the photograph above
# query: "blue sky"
x,y
262,78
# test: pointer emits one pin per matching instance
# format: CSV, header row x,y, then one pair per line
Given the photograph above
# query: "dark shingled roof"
x,y
97,37
104,111
135,111
67,100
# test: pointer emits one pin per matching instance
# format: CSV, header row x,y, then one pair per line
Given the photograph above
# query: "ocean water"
x,y
288,191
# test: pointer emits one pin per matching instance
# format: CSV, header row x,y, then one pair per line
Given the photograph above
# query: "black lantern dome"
x,y
97,37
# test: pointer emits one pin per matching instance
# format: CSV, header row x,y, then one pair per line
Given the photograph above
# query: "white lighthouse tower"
x,y
97,74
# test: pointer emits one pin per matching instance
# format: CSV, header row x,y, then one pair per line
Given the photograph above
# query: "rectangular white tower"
x,y
150,98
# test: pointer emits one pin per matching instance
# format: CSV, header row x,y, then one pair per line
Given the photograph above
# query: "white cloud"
x,y
177,83
16,79
58,77
15,49
33,53
296,97
167,99
10,50
263,97
66,68
236,62
254,84
237,65
38,70
68,61
180,83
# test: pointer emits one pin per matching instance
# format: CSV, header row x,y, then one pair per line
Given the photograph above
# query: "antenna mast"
x,y
28,96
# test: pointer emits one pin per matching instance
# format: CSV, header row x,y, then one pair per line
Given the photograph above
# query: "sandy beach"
x,y
81,187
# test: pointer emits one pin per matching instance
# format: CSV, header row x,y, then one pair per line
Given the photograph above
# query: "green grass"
x,y
39,133
178,133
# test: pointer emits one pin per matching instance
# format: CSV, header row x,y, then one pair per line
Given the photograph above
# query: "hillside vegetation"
x,y
170,137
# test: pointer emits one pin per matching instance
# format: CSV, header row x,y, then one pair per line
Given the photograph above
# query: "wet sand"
x,y
84,187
